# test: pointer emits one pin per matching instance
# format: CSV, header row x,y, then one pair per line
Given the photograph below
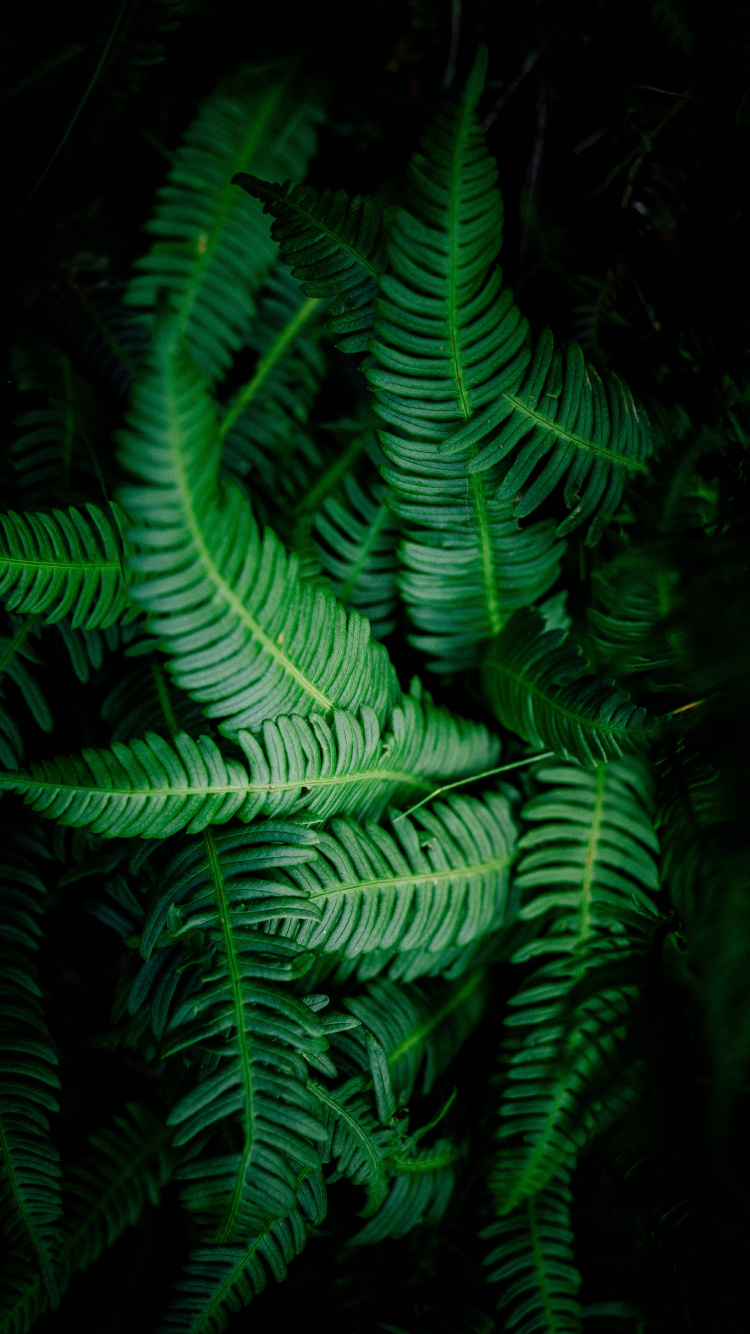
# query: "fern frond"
x,y
15,653
357,537
57,435
436,881
263,427
214,248
419,1026
246,636
633,596
59,564
30,1204
216,992
534,1262
457,374
588,870
145,700
419,1194
101,1197
336,247
537,682
220,1280
357,1141
151,788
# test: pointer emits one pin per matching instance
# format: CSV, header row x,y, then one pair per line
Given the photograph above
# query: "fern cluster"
x,y
323,880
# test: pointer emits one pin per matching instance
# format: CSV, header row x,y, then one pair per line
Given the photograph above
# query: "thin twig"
x,y
474,778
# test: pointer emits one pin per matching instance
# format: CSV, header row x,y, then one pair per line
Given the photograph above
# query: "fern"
x,y
410,890
534,1259
30,1205
537,682
357,537
222,996
101,1197
208,576
589,865
214,249
220,1280
335,246
58,564
152,788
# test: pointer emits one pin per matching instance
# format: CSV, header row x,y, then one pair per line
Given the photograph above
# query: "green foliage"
x,y
537,681
318,905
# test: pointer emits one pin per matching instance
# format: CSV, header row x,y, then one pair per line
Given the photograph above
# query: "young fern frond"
x,y
101,1197
437,881
533,1259
214,248
588,869
357,538
221,1280
30,1204
211,978
152,788
539,687
335,246
246,636
58,564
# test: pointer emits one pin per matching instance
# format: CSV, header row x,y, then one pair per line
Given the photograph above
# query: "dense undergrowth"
x,y
373,674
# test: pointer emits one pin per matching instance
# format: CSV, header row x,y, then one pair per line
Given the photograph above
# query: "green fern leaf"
x,y
216,991
210,579
214,248
58,434
336,247
533,1259
15,653
151,788
537,682
101,1197
437,881
30,1204
361,1146
419,1195
221,1280
59,564
587,872
456,372
357,537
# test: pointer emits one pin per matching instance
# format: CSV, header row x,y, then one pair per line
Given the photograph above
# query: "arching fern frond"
x,y
220,1280
246,636
101,1197
216,994
30,1204
457,374
152,788
214,248
537,682
357,536
336,247
439,880
419,1194
533,1259
59,564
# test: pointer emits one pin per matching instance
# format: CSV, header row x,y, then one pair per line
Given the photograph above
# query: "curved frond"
x,y
533,1259
105,1194
357,536
419,1195
336,247
221,1280
457,374
437,881
214,247
59,564
539,687
152,788
216,992
246,636
30,1204
361,1146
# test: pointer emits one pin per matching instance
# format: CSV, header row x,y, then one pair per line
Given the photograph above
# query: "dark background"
x,y
621,133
